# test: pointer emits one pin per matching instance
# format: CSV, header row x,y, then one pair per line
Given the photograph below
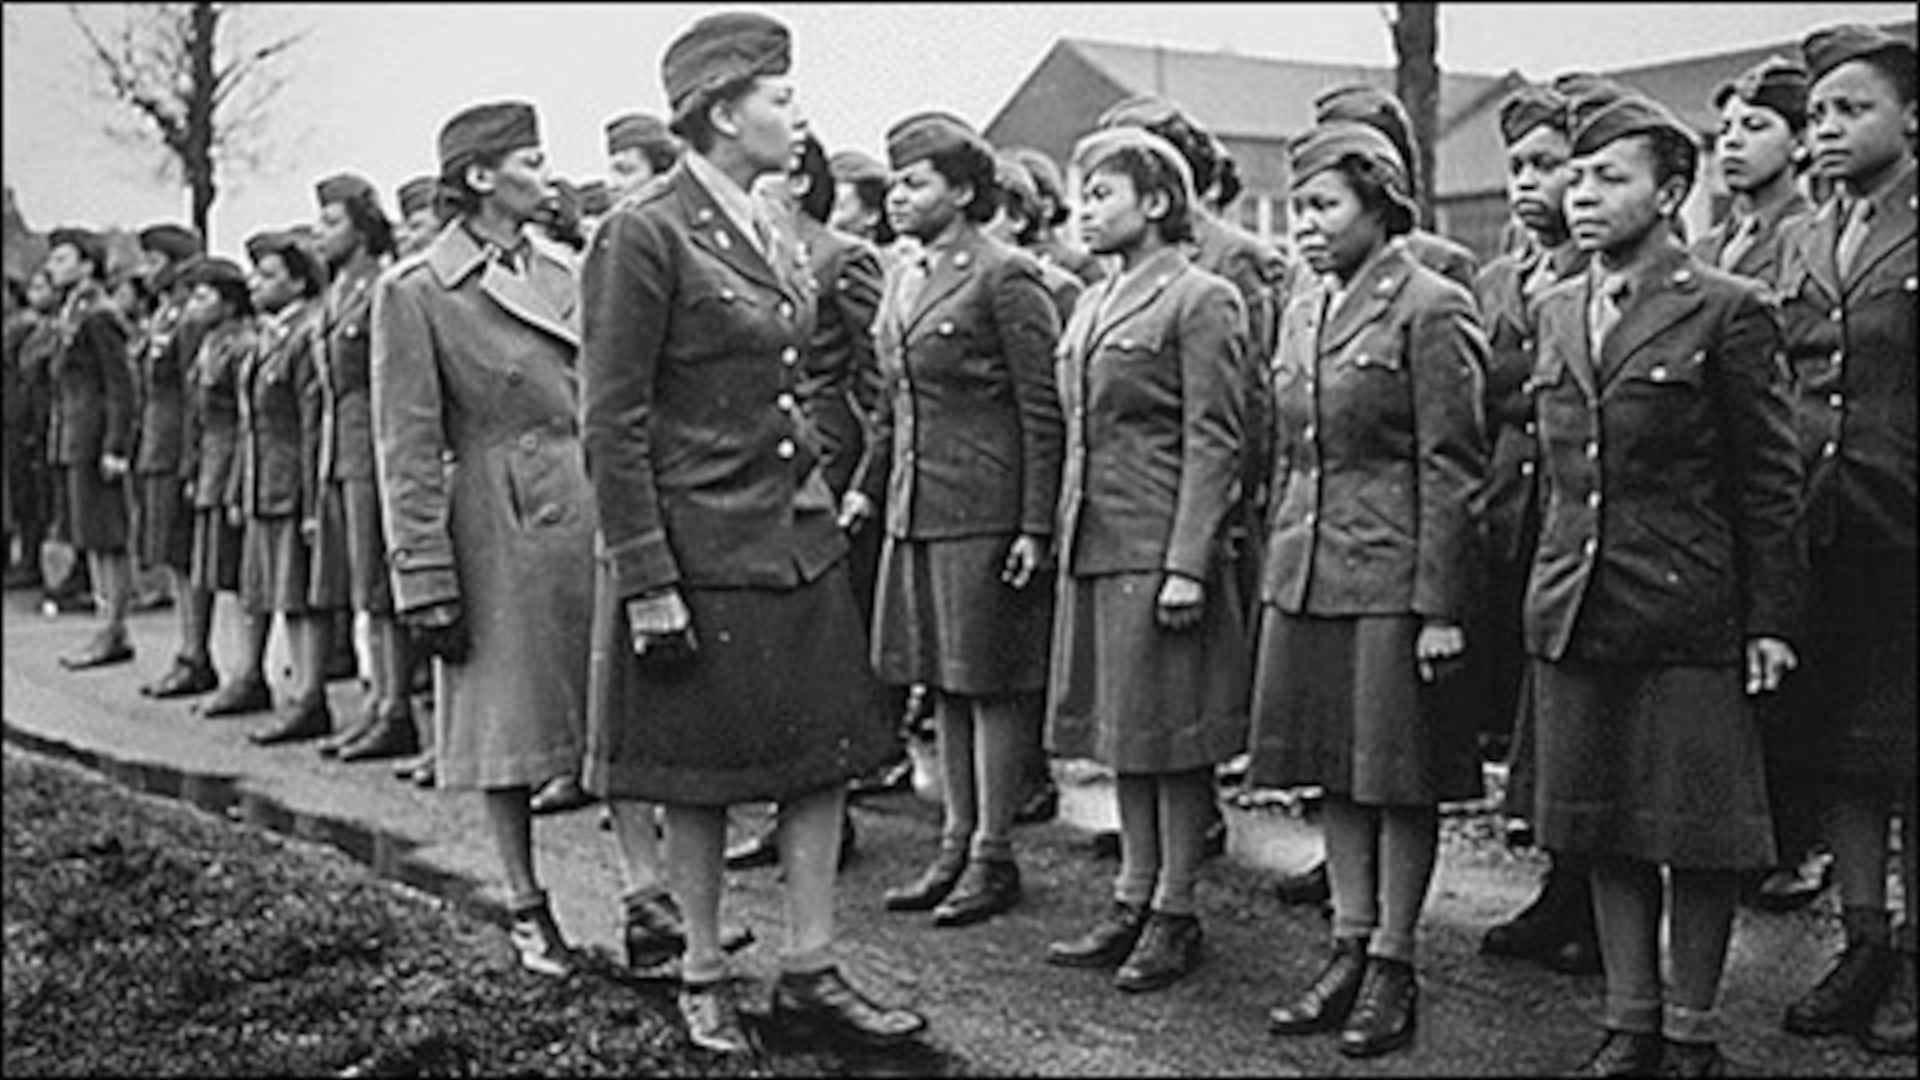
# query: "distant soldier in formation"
x,y
639,148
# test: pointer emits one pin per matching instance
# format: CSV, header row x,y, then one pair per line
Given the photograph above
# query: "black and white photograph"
x,y
1001,539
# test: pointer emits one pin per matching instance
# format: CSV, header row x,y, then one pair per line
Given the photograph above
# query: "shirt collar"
x,y
734,202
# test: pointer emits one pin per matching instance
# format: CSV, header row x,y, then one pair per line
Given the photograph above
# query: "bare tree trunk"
x,y
197,155
1416,42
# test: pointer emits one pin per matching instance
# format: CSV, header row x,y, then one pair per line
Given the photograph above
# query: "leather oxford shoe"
x,y
1844,1000
823,1004
1386,1013
985,889
103,651
238,698
1626,1053
392,735
932,886
307,719
1168,949
1107,944
1892,1027
185,679
712,1018
334,743
1327,1001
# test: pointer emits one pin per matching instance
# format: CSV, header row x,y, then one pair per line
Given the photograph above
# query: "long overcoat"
x,y
484,487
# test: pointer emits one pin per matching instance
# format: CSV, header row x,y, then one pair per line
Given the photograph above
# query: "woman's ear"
x,y
1157,207
480,179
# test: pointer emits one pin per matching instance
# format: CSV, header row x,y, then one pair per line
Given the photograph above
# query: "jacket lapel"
x,y
1892,225
1132,293
1668,292
714,232
1372,292
534,297
1816,248
1579,358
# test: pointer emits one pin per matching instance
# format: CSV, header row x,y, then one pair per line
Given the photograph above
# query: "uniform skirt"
x,y
350,552
276,568
777,701
1140,698
1661,764
1338,703
1849,711
217,544
97,510
944,618
164,536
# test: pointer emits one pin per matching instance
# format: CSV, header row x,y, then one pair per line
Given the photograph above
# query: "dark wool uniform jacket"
x,y
346,380
279,391
93,407
1761,260
161,389
1508,509
212,451
1377,404
969,438
840,376
1851,344
706,470
1670,478
1154,385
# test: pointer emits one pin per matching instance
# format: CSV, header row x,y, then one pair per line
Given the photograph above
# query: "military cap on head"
x,y
1776,83
1144,111
417,194
302,261
222,275
1094,149
1047,178
345,188
595,198
1326,145
852,166
1634,114
1367,104
1013,176
720,50
1829,47
637,131
1586,92
487,130
176,242
923,135
1532,107
91,245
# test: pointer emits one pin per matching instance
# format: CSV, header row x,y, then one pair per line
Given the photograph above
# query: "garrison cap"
x,y
346,188
1364,103
1778,83
485,130
417,194
1143,110
293,249
1586,92
719,50
1327,144
1634,114
1530,107
222,275
91,245
1829,47
923,135
176,242
852,166
1093,150
636,131
1046,178
1016,179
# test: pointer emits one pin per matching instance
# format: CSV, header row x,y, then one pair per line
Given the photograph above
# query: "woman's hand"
x,y
1768,661
440,629
855,509
1438,645
113,467
1182,601
661,626
1024,559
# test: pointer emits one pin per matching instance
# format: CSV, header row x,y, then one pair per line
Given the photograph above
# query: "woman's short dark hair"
x,y
142,286
970,164
235,294
1674,153
1199,148
695,124
372,225
456,196
817,203
872,193
1150,174
1371,185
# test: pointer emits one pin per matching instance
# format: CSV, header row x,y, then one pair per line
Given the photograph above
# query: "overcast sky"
x,y
373,83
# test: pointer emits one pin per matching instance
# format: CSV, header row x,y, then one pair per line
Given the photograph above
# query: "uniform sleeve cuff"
x,y
643,564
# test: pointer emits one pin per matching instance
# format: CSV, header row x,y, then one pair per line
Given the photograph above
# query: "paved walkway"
x,y
990,997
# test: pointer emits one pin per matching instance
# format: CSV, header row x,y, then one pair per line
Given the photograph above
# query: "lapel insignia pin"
x,y
721,238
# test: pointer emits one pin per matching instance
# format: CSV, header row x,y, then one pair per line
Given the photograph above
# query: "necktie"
x,y
1740,242
913,279
1603,312
1852,236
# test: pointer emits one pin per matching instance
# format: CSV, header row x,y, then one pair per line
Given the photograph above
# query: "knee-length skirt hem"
x,y
1662,764
165,533
350,553
460,772
276,568
1140,698
1338,703
944,618
777,701
97,510
217,544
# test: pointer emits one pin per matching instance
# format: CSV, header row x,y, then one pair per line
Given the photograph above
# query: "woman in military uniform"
x,y
1665,584
1149,652
735,669
1377,392
1846,287
967,452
